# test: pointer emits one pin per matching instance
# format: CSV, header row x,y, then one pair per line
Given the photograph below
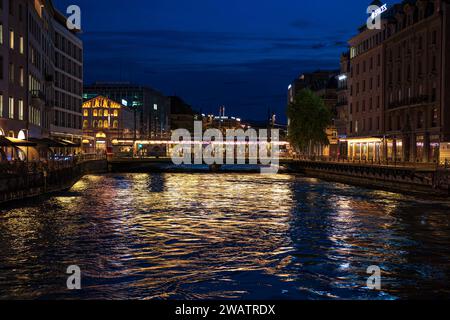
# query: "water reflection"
x,y
172,236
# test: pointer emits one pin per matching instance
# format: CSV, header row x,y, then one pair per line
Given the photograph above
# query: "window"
x,y
433,93
105,124
85,124
419,120
11,39
1,33
21,45
85,112
11,107
1,106
115,124
116,113
95,113
21,77
20,109
106,113
435,118
11,73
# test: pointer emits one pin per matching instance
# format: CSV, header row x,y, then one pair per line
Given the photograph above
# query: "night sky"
x,y
237,53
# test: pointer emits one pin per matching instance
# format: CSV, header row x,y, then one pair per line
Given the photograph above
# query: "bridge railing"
x,y
393,163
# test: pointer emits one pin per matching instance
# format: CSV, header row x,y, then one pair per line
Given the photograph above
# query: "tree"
x,y
308,121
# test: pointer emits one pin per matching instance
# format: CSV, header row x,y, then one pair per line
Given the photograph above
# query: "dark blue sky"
x,y
237,53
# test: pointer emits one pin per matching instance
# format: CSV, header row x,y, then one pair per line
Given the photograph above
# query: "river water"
x,y
224,236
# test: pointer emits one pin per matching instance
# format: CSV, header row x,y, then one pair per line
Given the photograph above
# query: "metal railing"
x,y
393,163
56,162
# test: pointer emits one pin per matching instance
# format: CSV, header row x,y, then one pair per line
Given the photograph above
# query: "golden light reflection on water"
x,y
212,236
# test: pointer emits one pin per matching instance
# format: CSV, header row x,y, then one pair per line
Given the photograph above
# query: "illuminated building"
x,y
366,100
36,49
104,121
152,107
68,82
399,85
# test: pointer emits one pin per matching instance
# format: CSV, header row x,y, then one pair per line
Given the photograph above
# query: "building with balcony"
x,y
366,100
416,49
30,72
399,86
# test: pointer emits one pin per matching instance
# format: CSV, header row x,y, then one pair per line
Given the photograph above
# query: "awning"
x,y
70,143
48,142
12,142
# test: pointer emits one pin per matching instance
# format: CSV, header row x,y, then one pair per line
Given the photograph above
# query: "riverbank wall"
x,y
24,183
425,181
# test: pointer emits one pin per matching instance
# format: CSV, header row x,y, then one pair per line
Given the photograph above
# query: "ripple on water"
x,y
228,236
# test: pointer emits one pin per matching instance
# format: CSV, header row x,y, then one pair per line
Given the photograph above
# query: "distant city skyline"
x,y
214,53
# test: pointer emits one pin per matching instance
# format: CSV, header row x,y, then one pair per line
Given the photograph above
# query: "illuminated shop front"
x,y
368,149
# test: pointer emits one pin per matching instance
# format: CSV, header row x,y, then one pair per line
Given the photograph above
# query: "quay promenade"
x,y
20,180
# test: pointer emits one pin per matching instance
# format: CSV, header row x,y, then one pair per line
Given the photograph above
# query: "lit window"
x,y
95,113
85,124
21,45
21,77
1,106
20,109
1,33
115,124
100,124
11,107
105,124
155,107
85,112
106,113
116,113
11,39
